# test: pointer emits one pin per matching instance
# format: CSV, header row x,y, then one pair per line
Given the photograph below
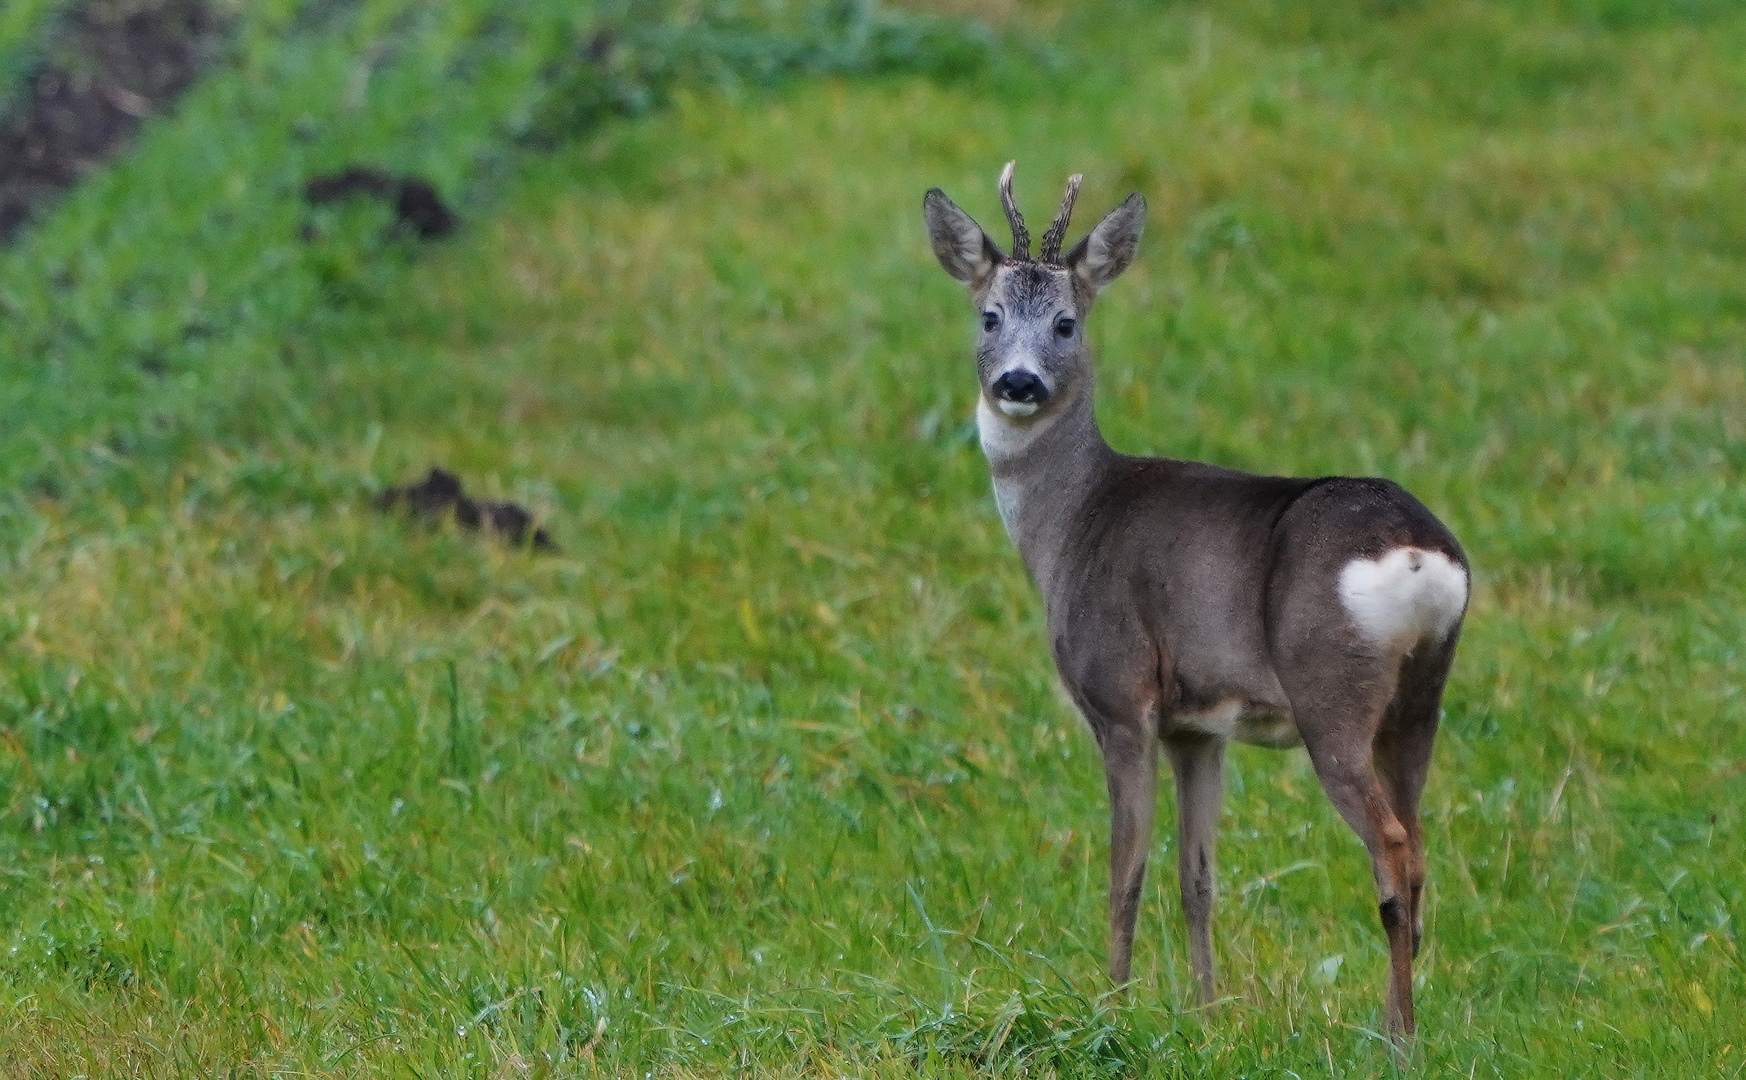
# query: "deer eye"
x,y
1064,327
990,320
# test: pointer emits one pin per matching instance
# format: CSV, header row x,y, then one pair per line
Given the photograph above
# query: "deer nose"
x,y
1021,386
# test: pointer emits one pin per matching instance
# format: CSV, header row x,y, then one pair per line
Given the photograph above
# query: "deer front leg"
x,y
1198,765
1130,770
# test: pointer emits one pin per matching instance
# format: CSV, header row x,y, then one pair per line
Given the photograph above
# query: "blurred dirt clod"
x,y
105,65
417,206
439,495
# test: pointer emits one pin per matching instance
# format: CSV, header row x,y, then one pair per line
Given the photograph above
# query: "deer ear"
x,y
962,247
1109,247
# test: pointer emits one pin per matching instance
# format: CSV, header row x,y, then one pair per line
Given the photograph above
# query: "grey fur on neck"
x,y
1043,470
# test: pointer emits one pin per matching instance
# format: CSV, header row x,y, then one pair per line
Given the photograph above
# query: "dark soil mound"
x,y
108,64
416,204
439,495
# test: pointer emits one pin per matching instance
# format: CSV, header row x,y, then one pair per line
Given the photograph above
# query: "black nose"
x,y
1021,386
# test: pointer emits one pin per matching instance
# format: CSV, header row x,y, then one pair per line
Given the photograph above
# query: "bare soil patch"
x,y
107,65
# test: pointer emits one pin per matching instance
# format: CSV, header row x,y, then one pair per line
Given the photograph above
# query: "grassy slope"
x,y
695,781
168,282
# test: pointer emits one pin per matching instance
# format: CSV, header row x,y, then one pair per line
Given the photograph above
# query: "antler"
x,y
1058,228
1021,238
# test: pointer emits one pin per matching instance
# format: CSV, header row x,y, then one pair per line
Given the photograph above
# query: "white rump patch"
x,y
1404,596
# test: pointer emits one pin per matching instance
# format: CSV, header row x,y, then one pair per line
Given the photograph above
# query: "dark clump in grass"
x,y
417,206
439,497
107,65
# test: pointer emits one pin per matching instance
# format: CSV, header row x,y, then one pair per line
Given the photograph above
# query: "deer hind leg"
x,y
1339,739
1197,763
1402,749
1130,769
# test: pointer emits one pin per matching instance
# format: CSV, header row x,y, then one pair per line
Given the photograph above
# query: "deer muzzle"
x,y
1019,392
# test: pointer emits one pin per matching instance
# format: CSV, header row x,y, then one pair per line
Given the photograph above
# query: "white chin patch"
x,y
1016,408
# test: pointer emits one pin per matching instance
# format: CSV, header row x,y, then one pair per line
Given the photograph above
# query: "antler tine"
x,y
1021,238
1058,228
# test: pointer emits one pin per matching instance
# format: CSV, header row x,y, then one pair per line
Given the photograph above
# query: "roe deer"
x,y
1189,604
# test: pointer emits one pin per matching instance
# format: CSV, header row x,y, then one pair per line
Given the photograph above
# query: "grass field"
x,y
765,772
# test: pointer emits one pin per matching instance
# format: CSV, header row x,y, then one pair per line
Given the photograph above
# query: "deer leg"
x,y
1197,765
1130,769
1344,768
1397,759
1403,759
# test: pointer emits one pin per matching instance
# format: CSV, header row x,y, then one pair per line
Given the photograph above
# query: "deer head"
x,y
1031,356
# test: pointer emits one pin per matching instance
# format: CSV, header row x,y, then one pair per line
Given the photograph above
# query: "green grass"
x,y
171,282
21,23
766,772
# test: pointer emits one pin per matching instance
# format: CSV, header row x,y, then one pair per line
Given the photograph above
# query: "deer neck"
x,y
1043,470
